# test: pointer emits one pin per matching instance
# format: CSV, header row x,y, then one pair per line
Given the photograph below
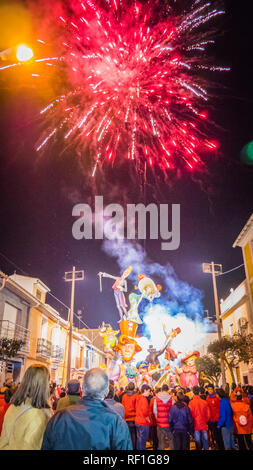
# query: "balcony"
x,y
57,354
11,330
44,347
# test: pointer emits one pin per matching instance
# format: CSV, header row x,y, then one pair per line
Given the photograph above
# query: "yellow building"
x,y
237,308
245,242
24,314
235,316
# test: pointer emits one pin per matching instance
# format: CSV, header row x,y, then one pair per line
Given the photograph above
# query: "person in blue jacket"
x,y
91,424
181,423
225,421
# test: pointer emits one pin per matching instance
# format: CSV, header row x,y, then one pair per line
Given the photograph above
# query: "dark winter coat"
x,y
90,425
180,418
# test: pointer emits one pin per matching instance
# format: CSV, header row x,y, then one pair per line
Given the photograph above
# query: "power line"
x,y
233,269
49,293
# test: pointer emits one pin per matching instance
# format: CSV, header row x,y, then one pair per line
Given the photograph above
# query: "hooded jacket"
x,y
129,403
180,418
90,425
214,404
245,398
242,417
161,408
200,412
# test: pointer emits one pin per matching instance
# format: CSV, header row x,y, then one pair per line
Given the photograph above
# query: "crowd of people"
x,y
95,415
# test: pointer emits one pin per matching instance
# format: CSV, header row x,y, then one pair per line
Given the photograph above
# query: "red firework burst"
x,y
137,85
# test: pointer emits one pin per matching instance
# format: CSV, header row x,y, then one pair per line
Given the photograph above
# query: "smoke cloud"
x,y
180,304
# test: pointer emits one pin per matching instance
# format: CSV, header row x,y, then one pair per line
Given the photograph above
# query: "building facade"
x,y
245,242
235,317
25,315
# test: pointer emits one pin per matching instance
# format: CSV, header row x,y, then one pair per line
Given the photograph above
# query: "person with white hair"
x,y
91,424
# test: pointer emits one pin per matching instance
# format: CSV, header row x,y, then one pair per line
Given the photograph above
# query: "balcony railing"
x,y
44,347
57,353
12,330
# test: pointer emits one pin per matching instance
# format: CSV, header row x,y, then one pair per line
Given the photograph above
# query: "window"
x,y
44,325
245,380
242,326
9,321
55,337
231,330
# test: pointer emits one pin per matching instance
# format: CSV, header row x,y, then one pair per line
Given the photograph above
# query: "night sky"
x,y
38,193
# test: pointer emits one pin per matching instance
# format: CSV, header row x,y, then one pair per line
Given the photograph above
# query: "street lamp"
x,y
72,276
216,270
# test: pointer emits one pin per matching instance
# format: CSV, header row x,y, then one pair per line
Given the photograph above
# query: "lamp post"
x,y
72,276
216,269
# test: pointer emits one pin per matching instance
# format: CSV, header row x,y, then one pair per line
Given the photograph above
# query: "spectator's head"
x,y
111,392
95,384
131,387
221,393
165,388
196,390
238,395
180,396
34,386
210,389
74,387
145,390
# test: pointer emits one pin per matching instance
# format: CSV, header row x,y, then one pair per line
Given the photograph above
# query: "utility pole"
x,y
216,269
72,276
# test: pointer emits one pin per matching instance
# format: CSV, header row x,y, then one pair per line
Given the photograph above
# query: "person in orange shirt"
x,y
243,421
143,417
201,415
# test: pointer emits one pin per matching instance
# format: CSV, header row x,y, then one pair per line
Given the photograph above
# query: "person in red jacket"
x,y
129,402
213,402
161,409
143,417
201,415
243,421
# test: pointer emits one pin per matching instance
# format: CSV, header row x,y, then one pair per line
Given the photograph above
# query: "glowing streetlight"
x,y
24,53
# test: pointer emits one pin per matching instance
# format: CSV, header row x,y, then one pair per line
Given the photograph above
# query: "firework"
x,y
137,82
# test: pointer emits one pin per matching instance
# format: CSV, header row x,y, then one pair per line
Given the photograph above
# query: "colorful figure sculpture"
x,y
143,374
127,346
109,338
169,376
119,287
148,289
132,314
188,374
